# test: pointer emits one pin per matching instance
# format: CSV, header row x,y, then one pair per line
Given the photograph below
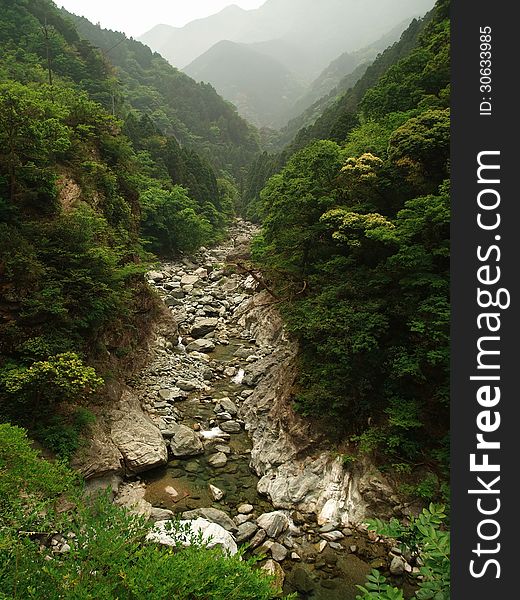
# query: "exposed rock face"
x,y
295,467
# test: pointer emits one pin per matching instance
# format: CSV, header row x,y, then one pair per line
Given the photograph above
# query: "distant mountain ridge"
x,y
301,37
321,31
259,86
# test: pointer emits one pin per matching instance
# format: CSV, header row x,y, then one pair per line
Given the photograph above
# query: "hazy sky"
x,y
135,17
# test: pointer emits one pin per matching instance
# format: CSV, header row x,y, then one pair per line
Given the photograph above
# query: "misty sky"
x,y
135,17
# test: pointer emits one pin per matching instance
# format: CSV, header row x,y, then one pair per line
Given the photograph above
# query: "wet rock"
x,y
246,531
201,345
231,427
274,523
218,460
171,491
185,442
211,514
301,581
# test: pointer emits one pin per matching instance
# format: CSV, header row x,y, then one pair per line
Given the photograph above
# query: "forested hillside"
x,y
192,112
331,117
77,196
79,189
356,243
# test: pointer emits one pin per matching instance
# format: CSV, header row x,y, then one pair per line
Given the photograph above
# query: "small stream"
x,y
207,362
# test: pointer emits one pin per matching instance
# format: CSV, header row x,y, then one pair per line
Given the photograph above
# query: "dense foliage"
x,y
356,241
79,190
108,556
193,113
425,539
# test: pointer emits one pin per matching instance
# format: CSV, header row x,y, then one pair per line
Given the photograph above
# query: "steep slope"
x,y
259,86
194,113
320,31
334,74
76,195
355,243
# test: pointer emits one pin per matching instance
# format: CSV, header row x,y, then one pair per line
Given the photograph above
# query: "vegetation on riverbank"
x,y
356,241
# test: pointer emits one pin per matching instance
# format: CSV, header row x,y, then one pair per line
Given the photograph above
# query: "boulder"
x,y
227,405
140,442
212,534
231,427
185,442
211,514
161,514
246,531
274,523
218,460
245,509
203,325
201,346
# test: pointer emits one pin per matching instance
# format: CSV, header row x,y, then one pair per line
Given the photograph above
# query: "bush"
x,y
109,556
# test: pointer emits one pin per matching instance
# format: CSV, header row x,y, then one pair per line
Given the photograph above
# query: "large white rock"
x,y
214,515
138,440
212,535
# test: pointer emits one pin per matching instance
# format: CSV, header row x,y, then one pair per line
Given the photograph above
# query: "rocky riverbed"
x,y
214,439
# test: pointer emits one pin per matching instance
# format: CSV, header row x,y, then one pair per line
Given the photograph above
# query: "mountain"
x,y
318,31
178,106
345,65
258,85
341,75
